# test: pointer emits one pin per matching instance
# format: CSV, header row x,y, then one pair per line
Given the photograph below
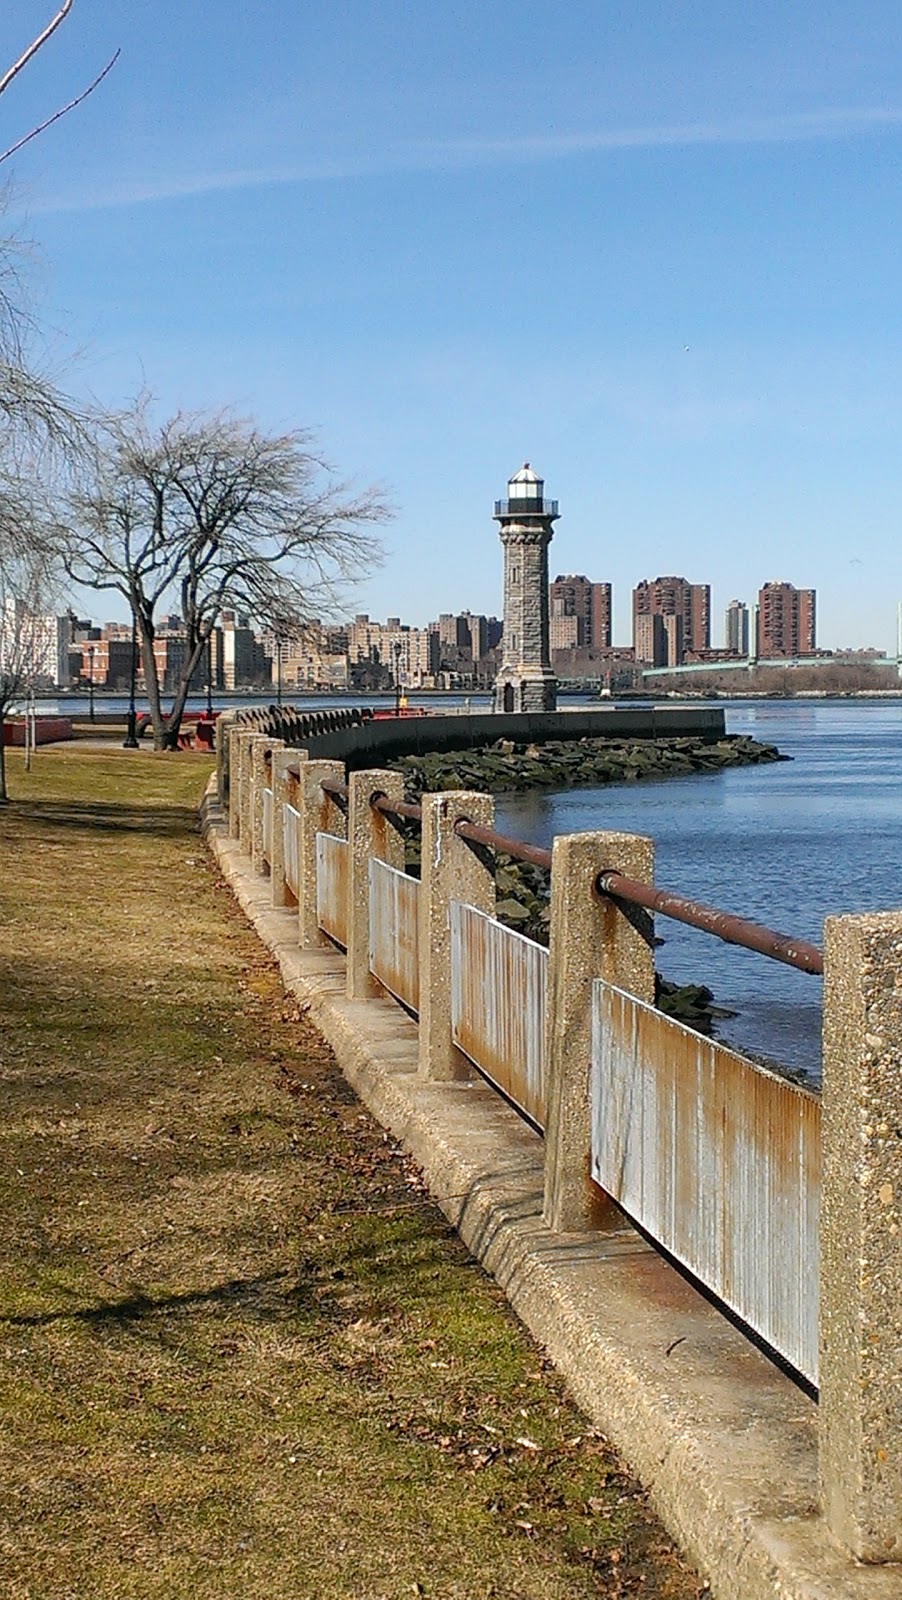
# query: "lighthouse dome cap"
x,y
525,475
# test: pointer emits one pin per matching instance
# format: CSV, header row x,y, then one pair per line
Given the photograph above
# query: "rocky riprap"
x,y
506,766
522,890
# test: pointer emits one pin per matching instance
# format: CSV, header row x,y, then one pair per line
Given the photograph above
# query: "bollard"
x,y
284,792
318,815
589,938
450,870
860,1372
370,834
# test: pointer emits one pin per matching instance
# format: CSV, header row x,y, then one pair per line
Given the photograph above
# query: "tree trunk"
x,y
174,720
152,683
4,797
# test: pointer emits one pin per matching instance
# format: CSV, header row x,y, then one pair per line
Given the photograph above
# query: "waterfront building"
x,y
736,629
786,621
526,681
390,654
675,597
28,643
649,639
244,661
573,596
305,658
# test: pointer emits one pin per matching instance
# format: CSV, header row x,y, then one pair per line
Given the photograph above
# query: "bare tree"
x,y
208,512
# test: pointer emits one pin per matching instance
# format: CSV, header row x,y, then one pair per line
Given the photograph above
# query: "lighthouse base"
x,y
525,691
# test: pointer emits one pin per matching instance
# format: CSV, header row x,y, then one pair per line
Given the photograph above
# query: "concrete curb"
x,y
724,1441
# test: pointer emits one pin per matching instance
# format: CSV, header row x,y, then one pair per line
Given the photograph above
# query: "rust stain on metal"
x,y
498,987
332,886
394,938
718,1159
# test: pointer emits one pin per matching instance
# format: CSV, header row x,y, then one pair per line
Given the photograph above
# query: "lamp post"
x,y
130,742
90,682
396,647
210,677
278,669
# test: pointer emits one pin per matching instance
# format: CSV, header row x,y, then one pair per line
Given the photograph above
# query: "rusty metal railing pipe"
x,y
397,808
499,841
732,930
335,789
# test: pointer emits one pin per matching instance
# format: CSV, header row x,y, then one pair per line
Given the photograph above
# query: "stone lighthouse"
x,y
526,681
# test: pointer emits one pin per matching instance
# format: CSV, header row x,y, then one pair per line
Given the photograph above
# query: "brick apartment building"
x,y
579,614
786,621
685,628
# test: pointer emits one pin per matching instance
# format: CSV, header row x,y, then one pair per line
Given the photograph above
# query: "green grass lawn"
x,y
241,1352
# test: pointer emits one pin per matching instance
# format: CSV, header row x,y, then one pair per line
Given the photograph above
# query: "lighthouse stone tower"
x,y
526,681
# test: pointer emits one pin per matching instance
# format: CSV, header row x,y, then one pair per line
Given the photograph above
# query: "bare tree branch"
x,y
63,110
35,45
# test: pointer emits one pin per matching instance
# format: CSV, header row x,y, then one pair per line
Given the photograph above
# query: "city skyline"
x,y
673,285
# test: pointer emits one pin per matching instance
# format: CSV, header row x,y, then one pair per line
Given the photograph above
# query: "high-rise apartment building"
x,y
675,597
736,629
573,596
786,621
650,639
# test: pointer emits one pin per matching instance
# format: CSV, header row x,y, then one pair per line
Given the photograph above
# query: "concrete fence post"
x,y
860,1373
450,869
284,792
233,737
589,939
319,814
370,834
263,746
246,798
223,726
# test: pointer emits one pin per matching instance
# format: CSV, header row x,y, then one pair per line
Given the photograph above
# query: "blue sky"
x,y
651,247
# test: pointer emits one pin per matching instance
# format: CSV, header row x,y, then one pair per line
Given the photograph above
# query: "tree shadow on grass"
x,y
267,1299
109,817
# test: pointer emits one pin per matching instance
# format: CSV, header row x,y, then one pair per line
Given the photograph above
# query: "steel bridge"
x,y
783,663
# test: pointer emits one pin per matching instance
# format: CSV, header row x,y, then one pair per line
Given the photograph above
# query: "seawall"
x,y
369,742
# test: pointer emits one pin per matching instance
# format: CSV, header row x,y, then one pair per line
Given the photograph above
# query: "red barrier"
x,y
46,730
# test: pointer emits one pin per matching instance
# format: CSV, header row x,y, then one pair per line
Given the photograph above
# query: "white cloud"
x,y
454,154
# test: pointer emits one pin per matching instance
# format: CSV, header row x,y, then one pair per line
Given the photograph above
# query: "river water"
x,y
784,845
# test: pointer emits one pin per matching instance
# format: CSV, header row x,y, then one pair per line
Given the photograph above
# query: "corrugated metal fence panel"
x,y
332,886
291,820
718,1159
267,825
394,939
498,984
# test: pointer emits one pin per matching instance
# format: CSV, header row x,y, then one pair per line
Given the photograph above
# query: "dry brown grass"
x,y
241,1353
